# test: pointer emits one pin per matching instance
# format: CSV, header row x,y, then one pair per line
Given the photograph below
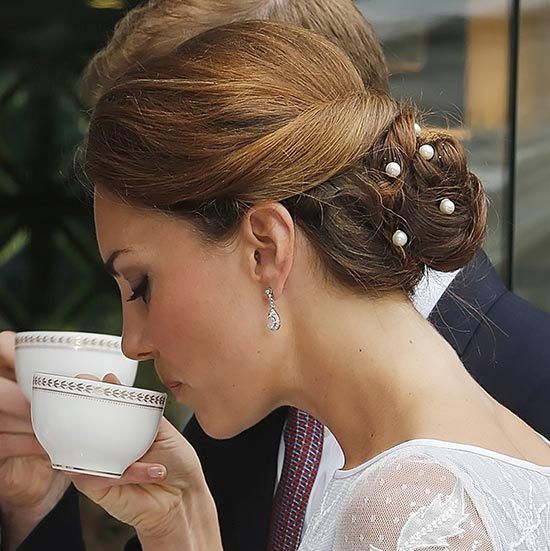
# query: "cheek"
x,y
210,326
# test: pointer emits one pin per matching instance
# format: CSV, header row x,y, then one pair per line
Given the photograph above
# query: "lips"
x,y
172,385
168,383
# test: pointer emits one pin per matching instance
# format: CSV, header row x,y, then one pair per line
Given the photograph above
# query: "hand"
x,y
29,487
164,495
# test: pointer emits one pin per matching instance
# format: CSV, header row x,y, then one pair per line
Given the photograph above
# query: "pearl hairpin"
x,y
399,238
393,169
426,152
417,129
446,206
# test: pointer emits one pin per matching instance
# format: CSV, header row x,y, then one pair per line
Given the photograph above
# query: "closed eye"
x,y
141,291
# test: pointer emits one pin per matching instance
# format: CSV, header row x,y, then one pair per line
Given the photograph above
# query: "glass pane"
x,y
532,217
451,58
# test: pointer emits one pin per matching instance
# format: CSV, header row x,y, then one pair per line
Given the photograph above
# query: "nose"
x,y
135,344
135,349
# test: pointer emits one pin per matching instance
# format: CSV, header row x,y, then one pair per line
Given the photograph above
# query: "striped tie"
x,y
303,447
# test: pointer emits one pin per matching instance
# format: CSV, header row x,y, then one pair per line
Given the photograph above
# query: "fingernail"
x,y
156,472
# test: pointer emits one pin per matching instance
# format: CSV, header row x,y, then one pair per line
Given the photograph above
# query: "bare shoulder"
x,y
521,440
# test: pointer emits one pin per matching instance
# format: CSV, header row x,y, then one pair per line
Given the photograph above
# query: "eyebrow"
x,y
110,264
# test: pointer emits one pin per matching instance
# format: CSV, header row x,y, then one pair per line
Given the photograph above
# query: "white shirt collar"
x,y
431,289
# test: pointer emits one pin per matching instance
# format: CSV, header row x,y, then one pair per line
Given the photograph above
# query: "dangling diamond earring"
x,y
273,318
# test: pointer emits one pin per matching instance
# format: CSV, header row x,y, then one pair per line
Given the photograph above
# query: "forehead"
x,y
113,217
123,226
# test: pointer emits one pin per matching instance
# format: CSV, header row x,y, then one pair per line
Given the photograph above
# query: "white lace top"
x,y
432,495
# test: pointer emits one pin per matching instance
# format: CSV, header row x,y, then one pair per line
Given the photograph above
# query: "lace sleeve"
x,y
411,504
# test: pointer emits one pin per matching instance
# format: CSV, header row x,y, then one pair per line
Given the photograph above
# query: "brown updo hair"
x,y
258,111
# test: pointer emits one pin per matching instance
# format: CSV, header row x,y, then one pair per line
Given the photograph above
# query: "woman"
x,y
266,219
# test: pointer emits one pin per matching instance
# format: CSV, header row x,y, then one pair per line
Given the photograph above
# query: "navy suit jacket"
x,y
503,341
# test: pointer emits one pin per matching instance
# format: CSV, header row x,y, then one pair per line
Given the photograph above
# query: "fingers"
x,y
111,378
7,355
19,445
138,473
12,400
7,372
87,376
14,425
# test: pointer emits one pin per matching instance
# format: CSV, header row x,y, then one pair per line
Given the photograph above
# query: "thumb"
x,y
137,473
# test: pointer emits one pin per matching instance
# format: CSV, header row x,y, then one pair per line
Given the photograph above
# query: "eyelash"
x,y
140,292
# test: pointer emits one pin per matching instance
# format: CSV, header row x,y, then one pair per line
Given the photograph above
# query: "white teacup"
x,y
69,353
93,427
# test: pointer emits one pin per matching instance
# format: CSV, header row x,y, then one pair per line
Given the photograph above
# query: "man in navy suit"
x,y
501,339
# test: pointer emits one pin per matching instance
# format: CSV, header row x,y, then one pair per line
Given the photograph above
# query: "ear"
x,y
268,238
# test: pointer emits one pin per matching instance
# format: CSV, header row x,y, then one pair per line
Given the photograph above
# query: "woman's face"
x,y
197,310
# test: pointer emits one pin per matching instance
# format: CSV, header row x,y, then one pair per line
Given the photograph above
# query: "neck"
x,y
368,370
